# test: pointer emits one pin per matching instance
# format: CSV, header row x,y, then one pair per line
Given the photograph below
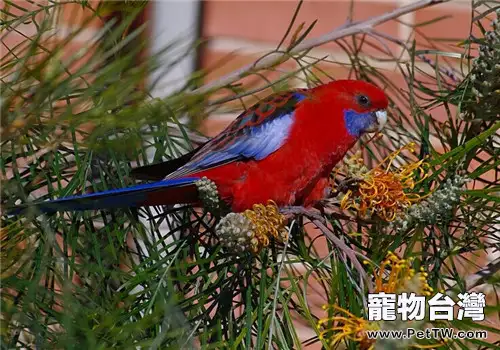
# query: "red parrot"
x,y
283,149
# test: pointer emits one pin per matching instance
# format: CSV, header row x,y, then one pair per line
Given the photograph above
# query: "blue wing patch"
x,y
256,142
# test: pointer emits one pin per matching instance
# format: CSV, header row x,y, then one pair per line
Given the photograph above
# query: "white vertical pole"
x,y
171,21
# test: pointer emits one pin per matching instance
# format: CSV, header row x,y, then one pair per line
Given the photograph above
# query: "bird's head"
x,y
361,105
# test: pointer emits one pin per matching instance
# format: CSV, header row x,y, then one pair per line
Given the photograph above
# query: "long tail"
x,y
158,193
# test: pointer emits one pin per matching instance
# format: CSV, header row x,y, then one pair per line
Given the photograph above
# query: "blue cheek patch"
x,y
356,122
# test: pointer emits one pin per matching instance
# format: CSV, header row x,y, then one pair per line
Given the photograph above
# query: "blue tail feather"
x,y
133,196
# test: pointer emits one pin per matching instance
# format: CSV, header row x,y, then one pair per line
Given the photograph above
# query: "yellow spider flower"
x,y
401,277
252,229
267,221
343,325
383,191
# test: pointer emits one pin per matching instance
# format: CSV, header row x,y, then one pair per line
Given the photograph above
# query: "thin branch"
x,y
321,223
286,76
299,210
349,252
344,31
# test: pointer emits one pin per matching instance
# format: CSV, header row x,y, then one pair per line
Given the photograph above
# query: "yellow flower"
x,y
401,277
345,326
267,221
252,229
382,191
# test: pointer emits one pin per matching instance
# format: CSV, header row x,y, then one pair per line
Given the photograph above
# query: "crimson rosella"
x,y
281,149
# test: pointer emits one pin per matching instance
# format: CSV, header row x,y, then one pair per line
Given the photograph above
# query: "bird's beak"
x,y
380,119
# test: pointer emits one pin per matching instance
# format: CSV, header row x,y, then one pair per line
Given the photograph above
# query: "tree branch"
x,y
349,252
341,32
321,223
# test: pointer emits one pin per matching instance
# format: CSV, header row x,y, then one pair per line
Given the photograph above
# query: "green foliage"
x,y
161,279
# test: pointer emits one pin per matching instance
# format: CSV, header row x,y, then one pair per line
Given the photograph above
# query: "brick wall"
x,y
241,30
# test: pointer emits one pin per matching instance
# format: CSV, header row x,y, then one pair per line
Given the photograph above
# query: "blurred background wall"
x,y
237,32
242,30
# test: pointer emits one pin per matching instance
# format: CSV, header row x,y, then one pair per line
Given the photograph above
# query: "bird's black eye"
x,y
363,100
